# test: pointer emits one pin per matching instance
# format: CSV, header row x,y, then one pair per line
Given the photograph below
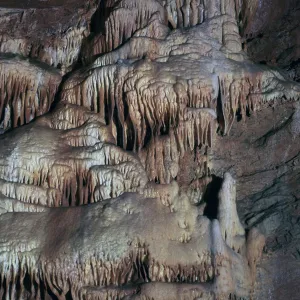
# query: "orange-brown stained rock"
x,y
50,31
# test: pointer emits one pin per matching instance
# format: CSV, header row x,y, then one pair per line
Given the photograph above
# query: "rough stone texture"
x,y
270,32
163,164
263,154
51,31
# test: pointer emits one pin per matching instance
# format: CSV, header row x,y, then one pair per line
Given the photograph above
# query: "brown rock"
x,y
51,31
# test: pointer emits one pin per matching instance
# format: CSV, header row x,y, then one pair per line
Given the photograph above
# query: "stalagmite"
x,y
231,228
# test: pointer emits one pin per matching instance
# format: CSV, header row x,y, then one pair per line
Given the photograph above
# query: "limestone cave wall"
x,y
149,149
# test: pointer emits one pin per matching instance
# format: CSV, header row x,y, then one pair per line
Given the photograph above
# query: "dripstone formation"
x,y
134,133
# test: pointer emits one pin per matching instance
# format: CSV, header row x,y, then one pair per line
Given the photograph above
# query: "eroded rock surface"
x,y
51,31
266,166
125,178
270,32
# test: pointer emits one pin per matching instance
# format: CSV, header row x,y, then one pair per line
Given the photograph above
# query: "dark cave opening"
x,y
210,197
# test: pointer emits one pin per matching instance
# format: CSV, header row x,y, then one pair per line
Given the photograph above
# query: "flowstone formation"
x,y
113,180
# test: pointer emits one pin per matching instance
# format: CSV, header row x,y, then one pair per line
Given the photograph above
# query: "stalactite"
x,y
96,272
150,110
185,13
127,19
26,91
93,272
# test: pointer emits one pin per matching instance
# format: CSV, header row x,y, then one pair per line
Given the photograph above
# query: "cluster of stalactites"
x,y
139,110
124,19
83,164
102,174
251,93
142,116
25,92
22,278
162,155
127,18
31,194
201,273
26,278
186,13
142,18
111,182
146,104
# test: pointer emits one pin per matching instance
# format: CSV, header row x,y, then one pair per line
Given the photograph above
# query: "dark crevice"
x,y
26,286
100,16
220,113
68,296
148,135
248,111
107,110
79,63
3,287
294,64
119,128
263,62
50,295
238,115
211,197
170,26
130,138
27,282
57,96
